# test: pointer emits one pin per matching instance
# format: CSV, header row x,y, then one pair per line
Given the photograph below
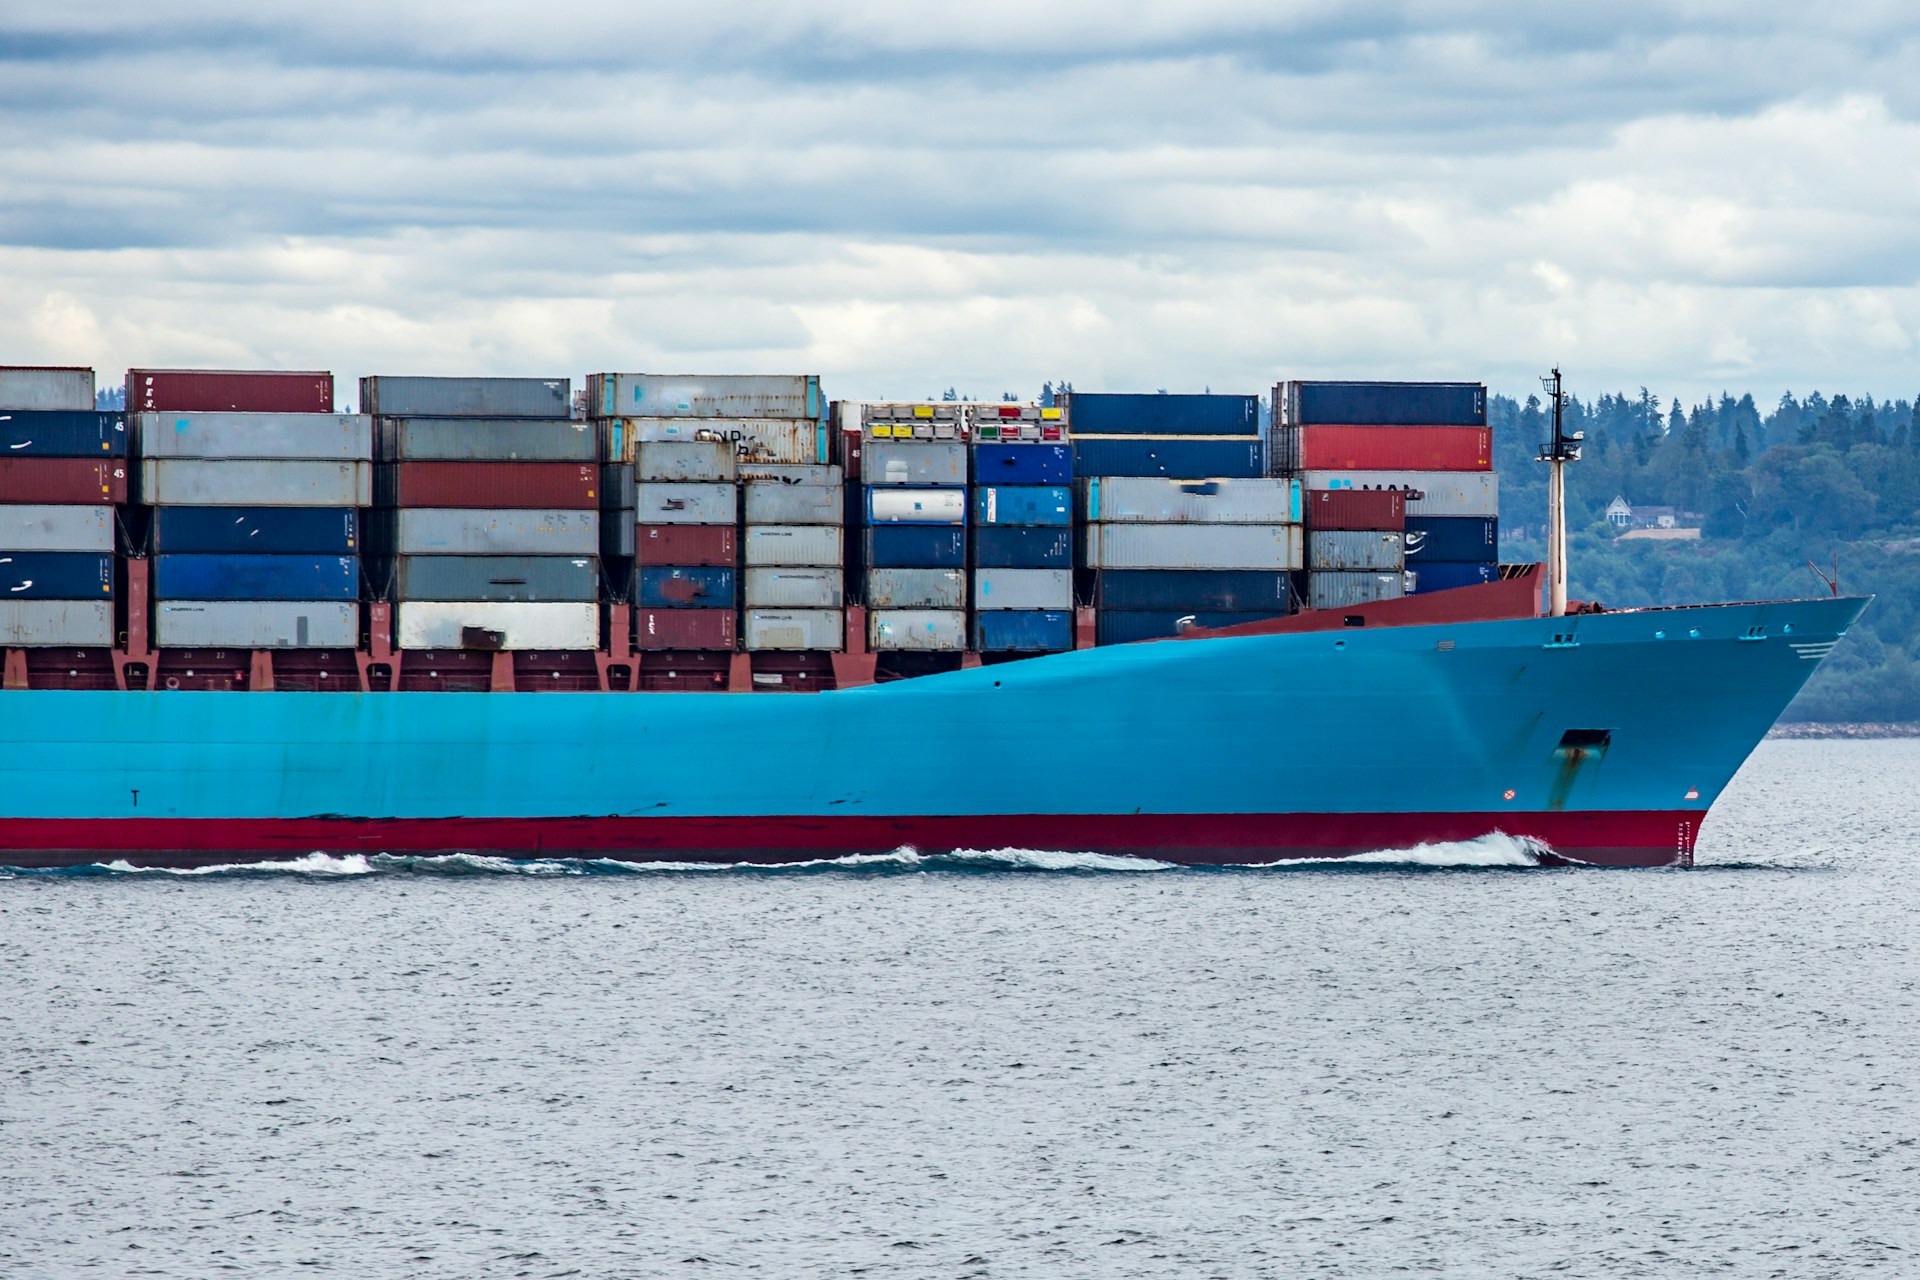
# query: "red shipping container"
x,y
1344,448
1358,509
698,545
683,629
93,482
527,485
228,391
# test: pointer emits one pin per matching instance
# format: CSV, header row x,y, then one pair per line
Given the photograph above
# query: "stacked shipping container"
x,y
63,466
1022,548
686,545
913,472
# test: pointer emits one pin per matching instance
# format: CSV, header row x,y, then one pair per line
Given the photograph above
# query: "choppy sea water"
x,y
1456,1063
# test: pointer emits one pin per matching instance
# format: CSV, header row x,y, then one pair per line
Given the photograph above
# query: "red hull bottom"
x,y
1636,838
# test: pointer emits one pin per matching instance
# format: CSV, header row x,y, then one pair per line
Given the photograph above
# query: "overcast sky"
x,y
903,197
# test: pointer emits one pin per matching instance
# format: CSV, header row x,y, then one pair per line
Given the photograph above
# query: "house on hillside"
x,y
1621,515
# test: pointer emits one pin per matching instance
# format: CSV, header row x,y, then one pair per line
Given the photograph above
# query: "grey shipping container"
x,y
1193,546
661,503
797,473
773,502
1023,588
207,483
1156,500
500,579
784,441
249,624
23,387
1344,590
928,462
462,531
1442,493
401,397
56,624
693,395
768,545
686,460
55,528
429,625
795,588
916,589
919,630
819,630
486,440
334,437
1356,549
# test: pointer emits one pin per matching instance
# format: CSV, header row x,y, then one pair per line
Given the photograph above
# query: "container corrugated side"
x,y
1445,576
694,461
1227,590
916,589
1187,458
389,396
1193,546
1343,590
686,587
1023,589
667,503
917,630
62,433
56,624
1364,448
1022,464
1356,509
669,395
252,624
335,437
1453,540
60,481
45,387
776,502
891,505
762,440
256,530
429,625
1429,493
922,546
206,483
1157,500
537,485
262,577
780,545
818,474
1023,630
501,579
1048,506
1013,547
701,630
815,630
39,527
1356,549
527,531
56,575
926,463
1127,626
1125,414
689,544
229,391
485,440
1461,404
794,588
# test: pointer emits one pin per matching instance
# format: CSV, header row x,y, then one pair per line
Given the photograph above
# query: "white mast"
x,y
1557,453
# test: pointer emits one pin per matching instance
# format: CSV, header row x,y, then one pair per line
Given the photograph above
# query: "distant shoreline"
x,y
1890,729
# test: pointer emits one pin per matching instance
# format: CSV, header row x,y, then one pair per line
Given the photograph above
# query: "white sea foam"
x,y
313,864
1053,860
1494,850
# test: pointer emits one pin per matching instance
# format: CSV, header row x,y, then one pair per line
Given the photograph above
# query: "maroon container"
x,y
93,482
1363,509
1344,448
702,545
683,629
571,485
228,391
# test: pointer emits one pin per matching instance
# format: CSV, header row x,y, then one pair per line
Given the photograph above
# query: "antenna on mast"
x,y
1557,453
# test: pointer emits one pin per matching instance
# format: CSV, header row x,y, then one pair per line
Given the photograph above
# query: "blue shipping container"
x,y
1232,590
1170,456
277,577
1428,578
685,588
257,530
1124,627
918,546
62,433
1023,630
1022,464
1047,505
56,575
1004,547
1390,404
1452,539
1100,414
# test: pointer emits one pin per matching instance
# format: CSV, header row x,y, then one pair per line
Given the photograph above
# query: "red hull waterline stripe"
x,y
1643,837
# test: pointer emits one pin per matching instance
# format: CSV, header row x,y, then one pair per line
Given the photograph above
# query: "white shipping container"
x,y
56,624
1157,500
1344,590
1193,546
1350,549
713,395
24,388
1023,588
921,630
917,462
1444,493
187,482
816,630
770,545
796,473
685,460
656,503
766,440
425,625
795,588
338,437
775,502
916,589
916,506
459,531
30,527
257,624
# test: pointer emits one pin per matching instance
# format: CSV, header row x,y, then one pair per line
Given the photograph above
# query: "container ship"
x,y
722,619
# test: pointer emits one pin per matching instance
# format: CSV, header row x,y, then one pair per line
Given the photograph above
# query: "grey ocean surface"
x,y
1002,1066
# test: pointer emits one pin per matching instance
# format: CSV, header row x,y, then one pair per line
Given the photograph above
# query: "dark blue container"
x,y
1000,547
689,588
1231,590
1170,456
257,530
62,433
1099,414
1428,578
56,575
1022,464
1045,505
917,546
1389,404
1023,631
1452,539
277,577
1126,626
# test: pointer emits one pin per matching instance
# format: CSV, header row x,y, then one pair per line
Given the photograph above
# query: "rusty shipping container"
x,y
488,484
688,461
228,391
818,630
774,441
692,395
707,629
1365,448
56,624
60,481
1363,550
686,544
1384,509
26,386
